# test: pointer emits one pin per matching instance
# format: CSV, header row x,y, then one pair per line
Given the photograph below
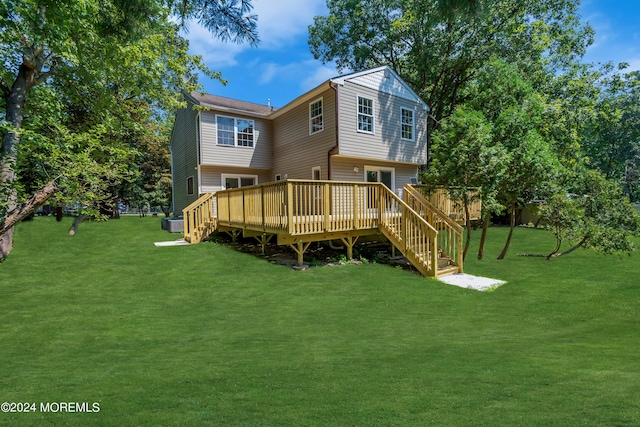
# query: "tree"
x,y
596,215
439,55
612,136
465,156
97,56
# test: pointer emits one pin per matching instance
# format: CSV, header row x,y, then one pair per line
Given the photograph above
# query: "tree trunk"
x,y
513,224
14,103
483,238
568,251
468,224
555,254
76,223
25,209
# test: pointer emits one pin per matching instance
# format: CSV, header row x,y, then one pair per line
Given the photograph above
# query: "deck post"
x,y
234,234
349,242
356,214
300,248
263,211
300,253
460,258
290,207
434,254
327,207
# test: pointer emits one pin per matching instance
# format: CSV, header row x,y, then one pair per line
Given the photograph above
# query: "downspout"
x,y
331,152
199,151
173,193
333,149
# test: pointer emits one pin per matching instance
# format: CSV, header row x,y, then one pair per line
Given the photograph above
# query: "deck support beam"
x,y
300,248
263,240
349,241
234,234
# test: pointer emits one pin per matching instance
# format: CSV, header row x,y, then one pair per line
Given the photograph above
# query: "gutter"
x,y
333,149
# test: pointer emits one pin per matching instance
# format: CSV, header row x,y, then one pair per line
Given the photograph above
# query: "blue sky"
x,y
282,68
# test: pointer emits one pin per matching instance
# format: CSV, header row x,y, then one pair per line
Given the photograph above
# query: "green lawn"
x,y
206,335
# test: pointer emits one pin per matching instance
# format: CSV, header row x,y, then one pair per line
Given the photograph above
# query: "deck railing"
x,y
300,207
409,232
439,197
414,225
449,231
199,220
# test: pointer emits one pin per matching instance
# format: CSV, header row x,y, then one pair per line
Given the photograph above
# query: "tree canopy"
x,y
498,75
82,82
439,55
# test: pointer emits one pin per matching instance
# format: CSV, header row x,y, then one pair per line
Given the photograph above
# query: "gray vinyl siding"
x,y
211,177
260,156
386,142
184,157
295,151
343,170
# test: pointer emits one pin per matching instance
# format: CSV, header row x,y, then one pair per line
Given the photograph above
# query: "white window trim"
x,y
193,186
224,176
278,177
373,114
311,132
235,132
313,171
368,168
413,125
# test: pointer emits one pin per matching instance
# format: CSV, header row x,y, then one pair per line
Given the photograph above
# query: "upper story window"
x,y
315,117
407,123
235,132
365,115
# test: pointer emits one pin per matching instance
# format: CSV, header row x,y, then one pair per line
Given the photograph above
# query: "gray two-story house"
x,y
368,126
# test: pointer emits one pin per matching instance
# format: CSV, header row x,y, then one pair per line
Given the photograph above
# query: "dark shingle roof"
x,y
220,101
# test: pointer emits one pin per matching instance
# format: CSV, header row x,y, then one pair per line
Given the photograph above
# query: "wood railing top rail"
x,y
299,181
457,227
202,199
406,206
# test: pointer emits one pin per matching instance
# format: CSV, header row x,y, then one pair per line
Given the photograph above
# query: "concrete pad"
x,y
469,281
172,243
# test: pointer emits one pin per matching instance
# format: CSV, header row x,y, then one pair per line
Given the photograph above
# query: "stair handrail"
x,y
475,206
441,215
453,249
422,253
198,217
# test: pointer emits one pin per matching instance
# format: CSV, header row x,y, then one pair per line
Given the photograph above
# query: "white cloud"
x,y
215,53
634,65
279,22
315,73
283,20
319,75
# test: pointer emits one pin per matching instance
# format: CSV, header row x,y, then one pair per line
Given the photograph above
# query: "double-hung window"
x,y
315,117
235,181
365,115
406,123
235,132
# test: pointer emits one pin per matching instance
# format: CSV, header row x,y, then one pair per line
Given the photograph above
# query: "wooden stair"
x,y
199,220
425,236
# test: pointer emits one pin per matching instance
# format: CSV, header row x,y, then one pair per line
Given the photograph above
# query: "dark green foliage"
x,y
595,215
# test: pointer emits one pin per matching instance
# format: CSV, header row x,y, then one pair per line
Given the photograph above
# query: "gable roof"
x,y
382,79
220,102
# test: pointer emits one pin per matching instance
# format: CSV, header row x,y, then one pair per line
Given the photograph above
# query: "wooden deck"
x,y
298,212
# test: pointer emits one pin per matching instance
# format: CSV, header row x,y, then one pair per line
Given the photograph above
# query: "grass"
x,y
206,335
